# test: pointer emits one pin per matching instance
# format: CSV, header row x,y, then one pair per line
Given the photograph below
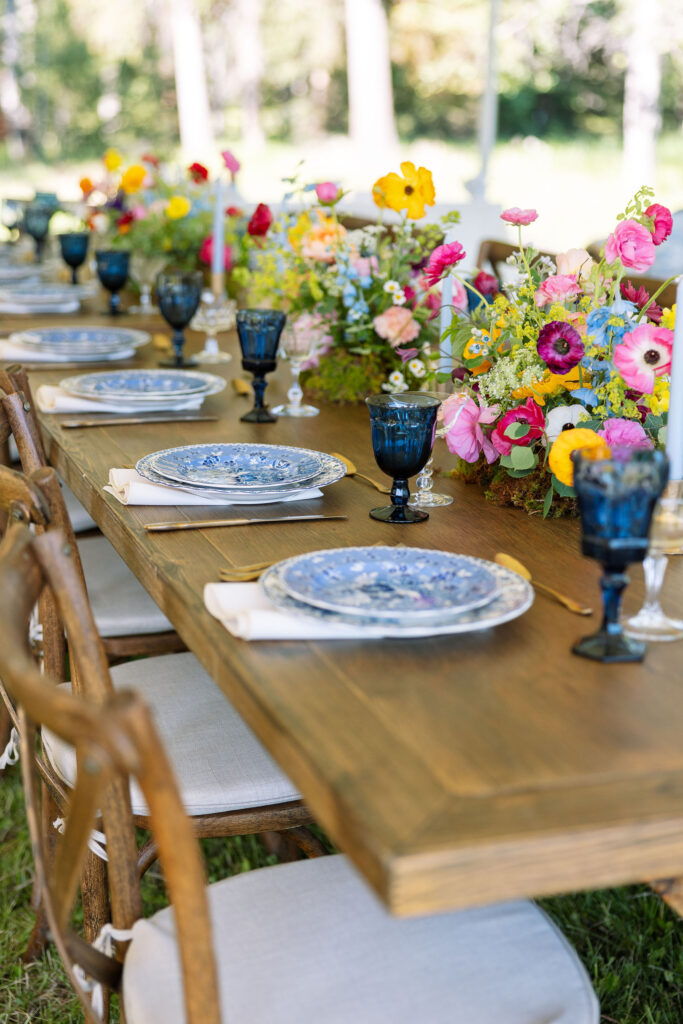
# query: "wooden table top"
x,y
453,770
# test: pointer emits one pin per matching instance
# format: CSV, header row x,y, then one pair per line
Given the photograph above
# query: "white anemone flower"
x,y
564,417
399,298
392,287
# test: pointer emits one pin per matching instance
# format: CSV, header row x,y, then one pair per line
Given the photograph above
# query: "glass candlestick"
x,y
144,270
666,538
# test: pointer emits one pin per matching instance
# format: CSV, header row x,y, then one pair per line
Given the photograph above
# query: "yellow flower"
x,y
549,383
177,207
133,178
668,317
411,193
560,457
379,191
298,230
112,159
659,400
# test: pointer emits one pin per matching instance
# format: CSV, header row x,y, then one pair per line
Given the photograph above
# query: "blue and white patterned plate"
x,y
385,581
86,339
142,385
17,273
514,597
238,466
331,470
37,294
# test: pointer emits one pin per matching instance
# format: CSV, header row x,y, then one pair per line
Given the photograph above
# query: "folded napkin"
x,y
54,399
128,487
246,612
31,308
12,351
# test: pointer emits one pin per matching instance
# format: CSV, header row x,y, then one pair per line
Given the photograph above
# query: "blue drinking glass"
x,y
37,216
403,429
112,270
616,492
259,333
74,246
179,293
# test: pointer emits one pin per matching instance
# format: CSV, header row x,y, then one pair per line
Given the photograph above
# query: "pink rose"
x,y
617,431
644,354
632,245
327,192
557,288
206,253
529,413
516,216
231,162
442,259
664,222
396,325
463,419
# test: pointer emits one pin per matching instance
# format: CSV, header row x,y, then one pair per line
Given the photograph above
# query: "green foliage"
x,y
346,378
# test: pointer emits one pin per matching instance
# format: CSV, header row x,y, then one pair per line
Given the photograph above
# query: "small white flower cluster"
x,y
395,384
394,289
519,369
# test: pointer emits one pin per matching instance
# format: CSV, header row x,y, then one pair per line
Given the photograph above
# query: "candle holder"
x,y
179,294
112,270
74,248
259,333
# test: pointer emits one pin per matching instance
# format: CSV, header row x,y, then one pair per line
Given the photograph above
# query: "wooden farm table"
x,y
454,770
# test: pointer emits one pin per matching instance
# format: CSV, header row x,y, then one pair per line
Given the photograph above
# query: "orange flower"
x,y
133,178
86,186
569,441
549,383
322,240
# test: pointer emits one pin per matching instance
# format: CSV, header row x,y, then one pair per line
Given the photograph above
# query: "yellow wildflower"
x,y
379,192
549,384
177,207
658,401
668,318
112,159
411,193
569,441
298,230
133,178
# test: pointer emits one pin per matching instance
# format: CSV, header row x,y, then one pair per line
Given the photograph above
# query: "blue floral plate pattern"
x,y
385,581
238,466
86,339
514,597
145,385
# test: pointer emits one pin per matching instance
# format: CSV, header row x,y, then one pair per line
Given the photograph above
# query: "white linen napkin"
x,y
31,308
128,487
15,353
246,612
54,399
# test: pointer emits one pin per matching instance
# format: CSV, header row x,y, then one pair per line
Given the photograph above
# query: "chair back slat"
x,y
15,381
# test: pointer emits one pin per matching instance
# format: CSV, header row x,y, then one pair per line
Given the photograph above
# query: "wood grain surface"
x,y
453,770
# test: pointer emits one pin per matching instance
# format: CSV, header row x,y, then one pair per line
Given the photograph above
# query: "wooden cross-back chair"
x,y
298,941
19,411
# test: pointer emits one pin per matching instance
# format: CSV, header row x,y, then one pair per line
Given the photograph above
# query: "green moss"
x,y
346,378
527,492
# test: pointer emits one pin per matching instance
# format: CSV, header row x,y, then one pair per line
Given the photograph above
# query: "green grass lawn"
x,y
631,944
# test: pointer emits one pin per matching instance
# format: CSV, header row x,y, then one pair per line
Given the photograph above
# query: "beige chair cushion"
x,y
80,519
120,603
310,942
219,763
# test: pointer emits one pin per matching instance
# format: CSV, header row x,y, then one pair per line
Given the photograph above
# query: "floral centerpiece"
x,y
365,292
568,354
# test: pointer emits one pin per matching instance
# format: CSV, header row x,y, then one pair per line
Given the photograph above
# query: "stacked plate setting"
x,y
397,592
30,296
79,344
144,390
241,473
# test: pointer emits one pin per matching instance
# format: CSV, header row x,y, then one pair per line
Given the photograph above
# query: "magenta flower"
x,y
463,420
632,245
640,297
529,413
441,259
206,253
664,222
231,162
629,433
327,192
516,216
560,347
557,288
486,284
644,354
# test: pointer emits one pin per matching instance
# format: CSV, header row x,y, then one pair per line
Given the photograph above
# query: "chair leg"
x,y
293,844
5,729
39,937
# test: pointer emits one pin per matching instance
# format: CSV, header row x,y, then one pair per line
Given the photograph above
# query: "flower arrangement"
x,y
569,354
375,309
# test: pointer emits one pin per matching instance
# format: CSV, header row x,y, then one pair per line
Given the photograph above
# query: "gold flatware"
x,y
508,562
241,387
352,471
114,421
205,524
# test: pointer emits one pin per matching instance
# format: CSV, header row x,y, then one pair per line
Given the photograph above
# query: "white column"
x,y
674,428
488,108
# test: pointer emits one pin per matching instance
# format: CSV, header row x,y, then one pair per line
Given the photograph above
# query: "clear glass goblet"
x,y
144,271
213,317
297,345
425,497
666,538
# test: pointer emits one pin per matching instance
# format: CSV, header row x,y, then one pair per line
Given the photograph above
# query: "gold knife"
x,y
112,421
203,524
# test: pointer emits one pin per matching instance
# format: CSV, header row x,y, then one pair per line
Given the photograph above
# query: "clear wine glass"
x,y
666,538
213,317
144,271
297,346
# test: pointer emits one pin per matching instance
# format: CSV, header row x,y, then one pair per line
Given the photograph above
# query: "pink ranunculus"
x,y
327,192
315,328
632,245
206,254
618,431
463,420
442,259
365,265
557,288
664,222
459,301
396,325
644,354
529,413
231,162
139,212
516,216
486,284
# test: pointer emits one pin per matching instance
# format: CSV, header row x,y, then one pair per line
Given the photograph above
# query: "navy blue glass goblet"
x,y
74,246
403,428
112,270
179,294
37,216
259,333
616,492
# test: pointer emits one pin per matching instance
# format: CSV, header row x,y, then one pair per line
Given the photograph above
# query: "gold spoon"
x,y
508,562
352,471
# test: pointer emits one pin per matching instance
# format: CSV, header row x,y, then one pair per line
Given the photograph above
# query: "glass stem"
x,y
424,481
211,344
114,303
259,386
654,568
400,493
295,393
74,275
146,298
178,342
613,585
